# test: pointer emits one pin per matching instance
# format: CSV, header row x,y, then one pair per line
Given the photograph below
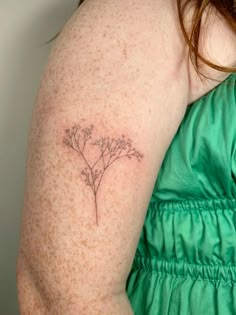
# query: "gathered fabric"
x,y
185,262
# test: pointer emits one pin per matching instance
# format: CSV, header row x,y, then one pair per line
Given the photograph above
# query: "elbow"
x,y
28,296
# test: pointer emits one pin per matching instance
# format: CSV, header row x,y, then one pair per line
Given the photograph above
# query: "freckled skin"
x,y
73,265
116,76
110,150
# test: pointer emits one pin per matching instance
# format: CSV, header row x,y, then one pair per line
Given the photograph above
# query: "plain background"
x,y
25,26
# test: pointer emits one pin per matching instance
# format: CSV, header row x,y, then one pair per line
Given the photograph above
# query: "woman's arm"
x,y
112,96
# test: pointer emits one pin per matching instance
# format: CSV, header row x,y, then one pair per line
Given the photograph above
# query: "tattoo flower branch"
x,y
110,150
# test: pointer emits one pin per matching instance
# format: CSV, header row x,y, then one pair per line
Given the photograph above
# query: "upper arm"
x,y
112,96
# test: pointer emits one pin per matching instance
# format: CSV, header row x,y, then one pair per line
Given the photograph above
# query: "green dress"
x,y
185,262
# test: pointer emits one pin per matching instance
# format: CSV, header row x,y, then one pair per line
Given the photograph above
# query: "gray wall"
x,y
24,26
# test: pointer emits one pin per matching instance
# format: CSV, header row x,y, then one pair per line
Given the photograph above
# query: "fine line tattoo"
x,y
110,150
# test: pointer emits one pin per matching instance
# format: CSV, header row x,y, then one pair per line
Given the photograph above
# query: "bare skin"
x,y
116,78
110,150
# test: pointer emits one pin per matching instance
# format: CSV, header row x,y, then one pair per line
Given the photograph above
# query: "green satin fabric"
x,y
185,263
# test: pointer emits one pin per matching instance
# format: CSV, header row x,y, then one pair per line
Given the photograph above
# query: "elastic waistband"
x,y
215,273
193,204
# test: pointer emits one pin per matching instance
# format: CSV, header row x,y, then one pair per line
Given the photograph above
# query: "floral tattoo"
x,y
110,150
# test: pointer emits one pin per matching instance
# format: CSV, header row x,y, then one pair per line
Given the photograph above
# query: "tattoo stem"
x,y
94,176
96,207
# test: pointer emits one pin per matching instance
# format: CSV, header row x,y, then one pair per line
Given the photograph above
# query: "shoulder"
x,y
148,32
149,22
126,32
